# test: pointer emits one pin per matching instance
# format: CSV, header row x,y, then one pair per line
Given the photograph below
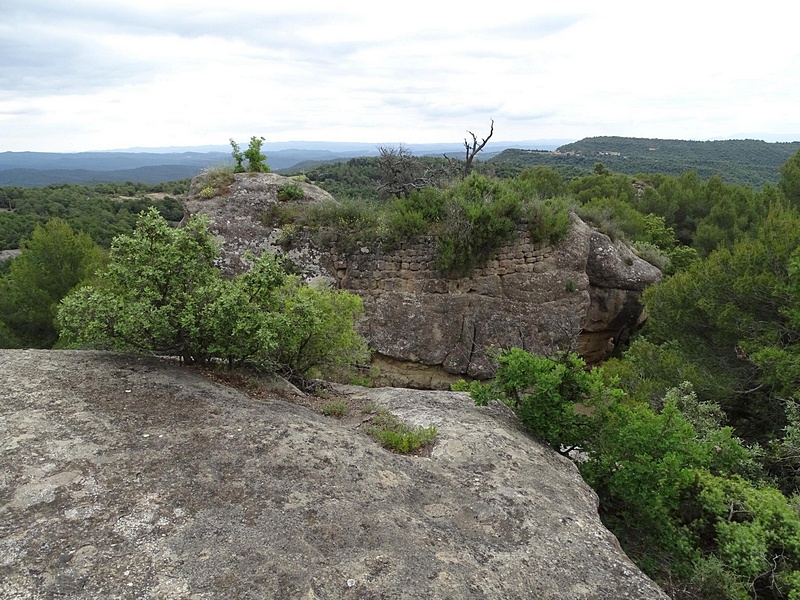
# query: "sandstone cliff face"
x,y
427,329
131,477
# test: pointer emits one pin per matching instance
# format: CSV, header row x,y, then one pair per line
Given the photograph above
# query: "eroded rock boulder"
x,y
427,328
238,214
617,278
131,477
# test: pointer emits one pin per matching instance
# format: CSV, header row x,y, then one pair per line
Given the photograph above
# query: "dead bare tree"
x,y
471,151
401,172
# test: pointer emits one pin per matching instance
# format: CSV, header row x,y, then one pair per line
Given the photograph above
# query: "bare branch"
x,y
401,172
473,150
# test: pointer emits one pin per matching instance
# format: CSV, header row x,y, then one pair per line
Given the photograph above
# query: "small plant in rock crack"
x,y
395,435
334,408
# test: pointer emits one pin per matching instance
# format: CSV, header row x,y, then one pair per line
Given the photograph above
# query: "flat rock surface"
x,y
131,477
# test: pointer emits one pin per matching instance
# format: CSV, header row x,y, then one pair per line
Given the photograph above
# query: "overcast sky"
x,y
81,75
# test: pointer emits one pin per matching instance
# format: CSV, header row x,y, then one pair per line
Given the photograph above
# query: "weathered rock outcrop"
x,y
237,216
130,477
427,329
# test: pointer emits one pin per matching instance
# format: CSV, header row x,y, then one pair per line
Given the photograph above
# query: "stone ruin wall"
x,y
412,268
427,329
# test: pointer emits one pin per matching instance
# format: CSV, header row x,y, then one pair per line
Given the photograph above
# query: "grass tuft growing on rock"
x,y
334,408
397,436
215,181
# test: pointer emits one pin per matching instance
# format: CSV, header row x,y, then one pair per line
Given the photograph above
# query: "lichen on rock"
x,y
133,477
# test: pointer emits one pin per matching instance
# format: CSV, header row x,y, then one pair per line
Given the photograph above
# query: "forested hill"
x,y
742,162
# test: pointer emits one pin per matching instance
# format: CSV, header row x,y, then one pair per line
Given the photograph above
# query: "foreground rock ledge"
x,y
130,477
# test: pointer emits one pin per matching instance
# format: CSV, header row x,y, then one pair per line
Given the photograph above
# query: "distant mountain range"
x,y
156,165
751,162
33,169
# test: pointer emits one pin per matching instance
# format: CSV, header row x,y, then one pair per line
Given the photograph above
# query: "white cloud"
x,y
84,74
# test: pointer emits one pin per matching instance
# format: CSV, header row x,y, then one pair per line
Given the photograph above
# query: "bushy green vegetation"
x,y
470,219
397,436
54,261
686,498
102,211
672,220
162,293
256,162
729,322
290,191
479,216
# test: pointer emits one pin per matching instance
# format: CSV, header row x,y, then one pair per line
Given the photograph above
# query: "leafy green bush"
x,y
603,184
480,215
162,293
414,215
428,202
290,191
616,218
256,162
544,393
682,494
549,221
316,331
547,183
755,530
406,224
54,261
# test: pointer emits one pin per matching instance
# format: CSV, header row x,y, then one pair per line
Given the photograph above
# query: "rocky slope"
x,y
130,477
427,329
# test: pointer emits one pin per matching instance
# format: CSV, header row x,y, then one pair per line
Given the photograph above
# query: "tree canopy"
x,y
54,260
161,292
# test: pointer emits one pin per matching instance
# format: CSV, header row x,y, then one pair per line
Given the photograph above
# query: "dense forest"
x,y
102,211
692,434
741,162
